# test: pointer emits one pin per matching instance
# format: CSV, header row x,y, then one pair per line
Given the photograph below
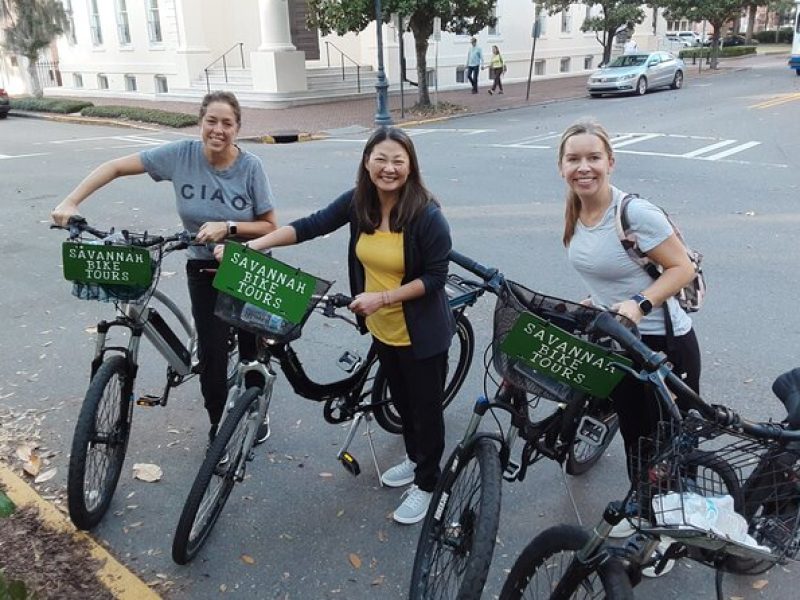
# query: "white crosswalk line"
x,y
729,151
709,148
640,138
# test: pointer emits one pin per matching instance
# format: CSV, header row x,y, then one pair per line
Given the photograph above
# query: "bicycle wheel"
x,y
458,535
215,480
99,443
549,558
583,455
459,362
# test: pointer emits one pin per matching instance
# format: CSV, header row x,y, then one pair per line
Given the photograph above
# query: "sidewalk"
x,y
289,124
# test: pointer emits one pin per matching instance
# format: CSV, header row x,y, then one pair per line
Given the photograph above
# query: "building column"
x,y
277,65
192,51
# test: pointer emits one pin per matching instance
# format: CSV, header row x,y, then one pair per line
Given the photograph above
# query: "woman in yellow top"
x,y
397,263
497,66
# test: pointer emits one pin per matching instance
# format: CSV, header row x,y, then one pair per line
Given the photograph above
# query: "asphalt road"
x,y
720,155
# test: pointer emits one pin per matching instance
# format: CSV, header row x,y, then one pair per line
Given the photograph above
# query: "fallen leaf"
x,y
383,536
45,475
33,466
760,584
223,587
340,512
355,560
378,581
326,475
147,472
248,560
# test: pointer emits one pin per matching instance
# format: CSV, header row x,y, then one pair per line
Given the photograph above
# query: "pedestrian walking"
x,y
497,67
397,263
630,47
221,192
586,161
474,63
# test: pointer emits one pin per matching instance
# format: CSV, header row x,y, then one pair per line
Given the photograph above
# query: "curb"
x,y
79,119
119,581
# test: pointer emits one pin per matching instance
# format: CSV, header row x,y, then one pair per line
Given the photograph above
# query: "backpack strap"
x,y
628,238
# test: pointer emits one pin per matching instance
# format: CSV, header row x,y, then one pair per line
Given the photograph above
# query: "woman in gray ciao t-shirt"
x,y
615,281
221,192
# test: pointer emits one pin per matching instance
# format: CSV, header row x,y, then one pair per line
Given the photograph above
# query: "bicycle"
x,y
554,421
360,395
122,268
709,453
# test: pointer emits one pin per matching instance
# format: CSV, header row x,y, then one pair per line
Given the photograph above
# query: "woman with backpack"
x,y
617,282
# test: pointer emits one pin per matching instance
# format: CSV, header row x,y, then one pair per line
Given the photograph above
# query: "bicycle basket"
x,y
728,494
515,300
255,319
94,270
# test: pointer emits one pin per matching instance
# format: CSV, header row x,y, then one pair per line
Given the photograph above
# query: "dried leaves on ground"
x,y
52,564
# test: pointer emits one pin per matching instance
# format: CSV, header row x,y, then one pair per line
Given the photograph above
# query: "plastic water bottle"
x,y
710,514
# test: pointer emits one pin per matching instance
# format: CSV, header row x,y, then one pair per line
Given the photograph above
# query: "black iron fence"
x,y
49,75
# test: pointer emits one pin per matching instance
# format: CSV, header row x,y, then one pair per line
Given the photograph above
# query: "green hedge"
x,y
147,115
768,37
723,53
54,105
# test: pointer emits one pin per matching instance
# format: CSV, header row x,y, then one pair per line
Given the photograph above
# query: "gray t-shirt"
x,y
239,193
610,274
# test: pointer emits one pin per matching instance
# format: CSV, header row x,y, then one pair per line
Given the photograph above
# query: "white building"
x,y
263,50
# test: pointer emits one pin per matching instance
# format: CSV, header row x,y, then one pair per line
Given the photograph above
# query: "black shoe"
x,y
263,432
212,434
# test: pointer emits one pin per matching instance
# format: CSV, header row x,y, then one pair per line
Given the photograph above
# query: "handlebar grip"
x,y
340,300
485,273
605,323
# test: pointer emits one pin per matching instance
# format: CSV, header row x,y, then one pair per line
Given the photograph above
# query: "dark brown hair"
x,y
225,97
413,197
586,126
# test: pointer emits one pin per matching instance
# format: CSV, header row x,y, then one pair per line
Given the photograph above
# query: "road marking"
x,y
776,101
709,148
132,140
639,138
10,156
734,150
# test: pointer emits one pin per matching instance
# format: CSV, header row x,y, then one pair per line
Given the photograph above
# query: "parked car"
x,y
674,38
690,38
637,73
732,39
5,104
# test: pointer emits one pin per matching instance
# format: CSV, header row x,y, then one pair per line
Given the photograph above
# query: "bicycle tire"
x,y
386,414
99,442
465,528
759,499
230,438
583,456
544,554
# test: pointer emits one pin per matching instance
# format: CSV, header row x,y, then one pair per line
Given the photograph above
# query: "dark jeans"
x,y
417,388
472,75
497,74
212,338
636,405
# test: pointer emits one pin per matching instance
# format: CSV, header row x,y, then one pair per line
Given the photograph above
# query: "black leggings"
x,y
417,387
636,405
212,338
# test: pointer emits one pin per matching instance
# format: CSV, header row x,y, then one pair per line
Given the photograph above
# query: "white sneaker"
x,y
625,528
399,475
414,507
662,548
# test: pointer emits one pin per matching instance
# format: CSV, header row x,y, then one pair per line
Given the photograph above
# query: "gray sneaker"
x,y
263,432
414,506
399,475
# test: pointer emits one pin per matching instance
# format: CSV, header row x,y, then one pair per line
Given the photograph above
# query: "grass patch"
x,y
52,105
146,115
724,52
442,109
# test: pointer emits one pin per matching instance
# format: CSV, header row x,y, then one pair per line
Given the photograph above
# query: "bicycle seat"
x,y
787,388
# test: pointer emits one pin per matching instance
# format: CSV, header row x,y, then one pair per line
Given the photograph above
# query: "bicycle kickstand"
x,y
348,461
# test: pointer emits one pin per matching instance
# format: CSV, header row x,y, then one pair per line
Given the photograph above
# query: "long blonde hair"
x,y
587,126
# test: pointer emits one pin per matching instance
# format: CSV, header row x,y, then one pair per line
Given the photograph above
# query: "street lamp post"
x,y
382,117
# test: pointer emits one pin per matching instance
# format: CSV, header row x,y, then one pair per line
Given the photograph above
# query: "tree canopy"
x,y
34,26
458,16
611,16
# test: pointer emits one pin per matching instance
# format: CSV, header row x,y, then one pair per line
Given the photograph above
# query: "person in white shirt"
x,y
474,64
631,47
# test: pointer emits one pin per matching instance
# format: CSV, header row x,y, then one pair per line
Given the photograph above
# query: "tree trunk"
x,y
715,44
33,74
751,22
608,44
422,28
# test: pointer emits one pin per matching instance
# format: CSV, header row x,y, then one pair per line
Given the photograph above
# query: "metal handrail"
x,y
342,57
224,60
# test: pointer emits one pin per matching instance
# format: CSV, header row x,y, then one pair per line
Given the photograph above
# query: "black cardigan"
x,y
426,244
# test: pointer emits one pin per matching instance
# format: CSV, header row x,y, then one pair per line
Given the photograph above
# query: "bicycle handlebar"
x,y
653,361
473,266
76,225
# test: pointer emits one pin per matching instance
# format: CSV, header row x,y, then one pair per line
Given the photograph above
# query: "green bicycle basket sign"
x,y
553,352
265,282
106,264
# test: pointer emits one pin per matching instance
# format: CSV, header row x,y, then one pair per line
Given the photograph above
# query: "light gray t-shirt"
x,y
610,274
239,193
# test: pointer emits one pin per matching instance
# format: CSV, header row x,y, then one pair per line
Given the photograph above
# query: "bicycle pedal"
x,y
150,400
349,361
350,463
592,431
512,470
